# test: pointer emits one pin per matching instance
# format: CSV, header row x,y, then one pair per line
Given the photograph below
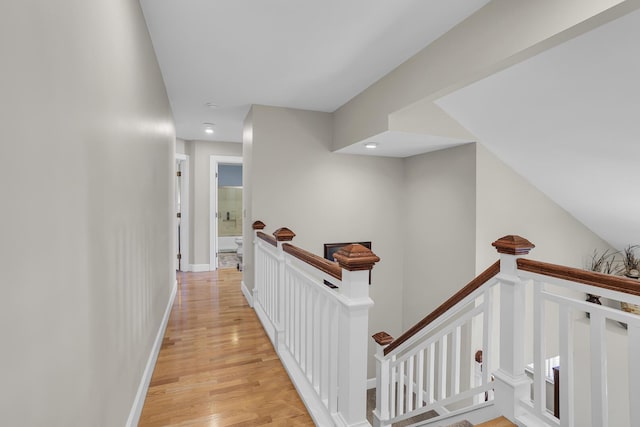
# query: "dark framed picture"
x,y
332,248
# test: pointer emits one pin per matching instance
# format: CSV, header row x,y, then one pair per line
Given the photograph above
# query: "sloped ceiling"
x,y
568,120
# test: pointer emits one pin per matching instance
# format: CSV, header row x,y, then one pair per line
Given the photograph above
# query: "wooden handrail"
x,y
269,239
330,267
445,306
591,278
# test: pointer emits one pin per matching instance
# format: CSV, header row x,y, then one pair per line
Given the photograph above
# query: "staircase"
x,y
521,318
484,354
371,400
497,422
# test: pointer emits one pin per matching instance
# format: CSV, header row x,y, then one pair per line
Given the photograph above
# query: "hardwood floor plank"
x,y
216,366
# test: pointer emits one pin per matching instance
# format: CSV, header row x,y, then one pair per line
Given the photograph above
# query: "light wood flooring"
x,y
216,366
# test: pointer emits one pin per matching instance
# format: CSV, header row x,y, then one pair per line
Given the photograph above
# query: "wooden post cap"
x,y
355,257
382,338
513,245
284,234
258,225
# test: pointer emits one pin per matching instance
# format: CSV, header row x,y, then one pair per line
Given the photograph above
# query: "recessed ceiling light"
x,y
211,105
208,128
371,145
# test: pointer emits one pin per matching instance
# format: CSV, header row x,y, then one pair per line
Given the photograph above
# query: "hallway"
x,y
216,366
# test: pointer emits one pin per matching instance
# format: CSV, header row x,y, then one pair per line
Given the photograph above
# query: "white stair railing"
x,y
598,347
431,367
315,312
542,315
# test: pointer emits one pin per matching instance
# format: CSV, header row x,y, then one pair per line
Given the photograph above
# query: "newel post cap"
x,y
355,257
258,225
382,338
513,245
284,234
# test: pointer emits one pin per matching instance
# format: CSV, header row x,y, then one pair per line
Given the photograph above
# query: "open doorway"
x,y
226,213
182,212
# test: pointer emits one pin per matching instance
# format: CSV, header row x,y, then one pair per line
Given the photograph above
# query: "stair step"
x,y
463,423
497,422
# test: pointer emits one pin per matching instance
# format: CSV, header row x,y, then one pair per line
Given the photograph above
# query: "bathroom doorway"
x,y
226,212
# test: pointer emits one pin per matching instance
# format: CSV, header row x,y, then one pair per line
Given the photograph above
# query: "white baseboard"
x,y
138,403
371,383
247,294
197,268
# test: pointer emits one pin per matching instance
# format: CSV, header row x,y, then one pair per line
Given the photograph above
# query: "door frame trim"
x,y
184,215
214,161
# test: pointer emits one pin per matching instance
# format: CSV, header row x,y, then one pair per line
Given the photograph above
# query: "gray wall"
x,y
180,146
439,228
447,206
325,197
431,217
508,204
247,200
87,200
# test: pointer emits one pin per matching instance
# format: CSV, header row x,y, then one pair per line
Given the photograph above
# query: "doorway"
x,y
182,212
226,213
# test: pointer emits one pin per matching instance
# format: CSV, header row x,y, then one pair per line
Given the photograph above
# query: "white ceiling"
x,y
313,55
568,120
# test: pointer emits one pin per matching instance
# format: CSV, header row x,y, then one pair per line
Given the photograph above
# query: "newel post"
x,y
257,227
282,235
381,411
356,261
511,382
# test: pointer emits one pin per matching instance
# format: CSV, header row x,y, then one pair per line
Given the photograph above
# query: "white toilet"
x,y
239,252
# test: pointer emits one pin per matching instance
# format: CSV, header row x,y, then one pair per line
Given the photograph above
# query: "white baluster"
x,y
420,374
455,349
599,398
539,384
309,334
401,388
333,359
287,309
431,374
487,332
565,328
317,349
394,388
443,367
296,321
633,330
410,383
303,325
325,322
